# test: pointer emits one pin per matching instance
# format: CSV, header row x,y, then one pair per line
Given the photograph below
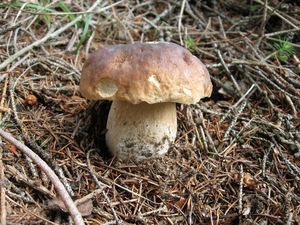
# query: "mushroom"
x,y
144,81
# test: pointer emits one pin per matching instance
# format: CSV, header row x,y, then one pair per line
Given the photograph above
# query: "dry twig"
x,y
70,205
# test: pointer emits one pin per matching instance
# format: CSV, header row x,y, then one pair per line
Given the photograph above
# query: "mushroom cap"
x,y
145,72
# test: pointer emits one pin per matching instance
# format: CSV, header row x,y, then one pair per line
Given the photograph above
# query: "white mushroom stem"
x,y
141,131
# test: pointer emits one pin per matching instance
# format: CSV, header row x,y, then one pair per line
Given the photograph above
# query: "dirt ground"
x,y
236,158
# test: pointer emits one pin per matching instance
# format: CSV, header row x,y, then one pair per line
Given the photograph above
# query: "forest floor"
x,y
236,159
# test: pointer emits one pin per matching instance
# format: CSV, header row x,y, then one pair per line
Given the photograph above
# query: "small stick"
x,y
11,28
241,189
127,32
4,109
289,100
253,87
263,23
222,27
113,222
3,96
232,124
265,160
88,44
180,21
2,192
155,211
281,32
295,170
158,18
61,190
236,85
86,12
31,167
211,144
3,211
20,196
89,196
203,143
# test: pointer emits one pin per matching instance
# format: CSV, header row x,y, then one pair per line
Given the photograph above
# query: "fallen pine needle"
x,y
69,203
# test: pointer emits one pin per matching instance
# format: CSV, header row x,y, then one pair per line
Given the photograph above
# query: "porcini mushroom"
x,y
144,81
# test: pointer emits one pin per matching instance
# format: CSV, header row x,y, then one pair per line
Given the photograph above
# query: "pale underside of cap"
x,y
145,72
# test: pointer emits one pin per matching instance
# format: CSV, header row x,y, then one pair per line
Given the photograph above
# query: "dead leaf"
x,y
85,208
181,203
13,149
249,181
31,100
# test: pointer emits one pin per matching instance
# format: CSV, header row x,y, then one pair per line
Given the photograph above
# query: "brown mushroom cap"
x,y
145,72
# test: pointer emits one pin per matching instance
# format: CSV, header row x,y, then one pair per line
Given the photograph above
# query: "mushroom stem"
x,y
141,131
